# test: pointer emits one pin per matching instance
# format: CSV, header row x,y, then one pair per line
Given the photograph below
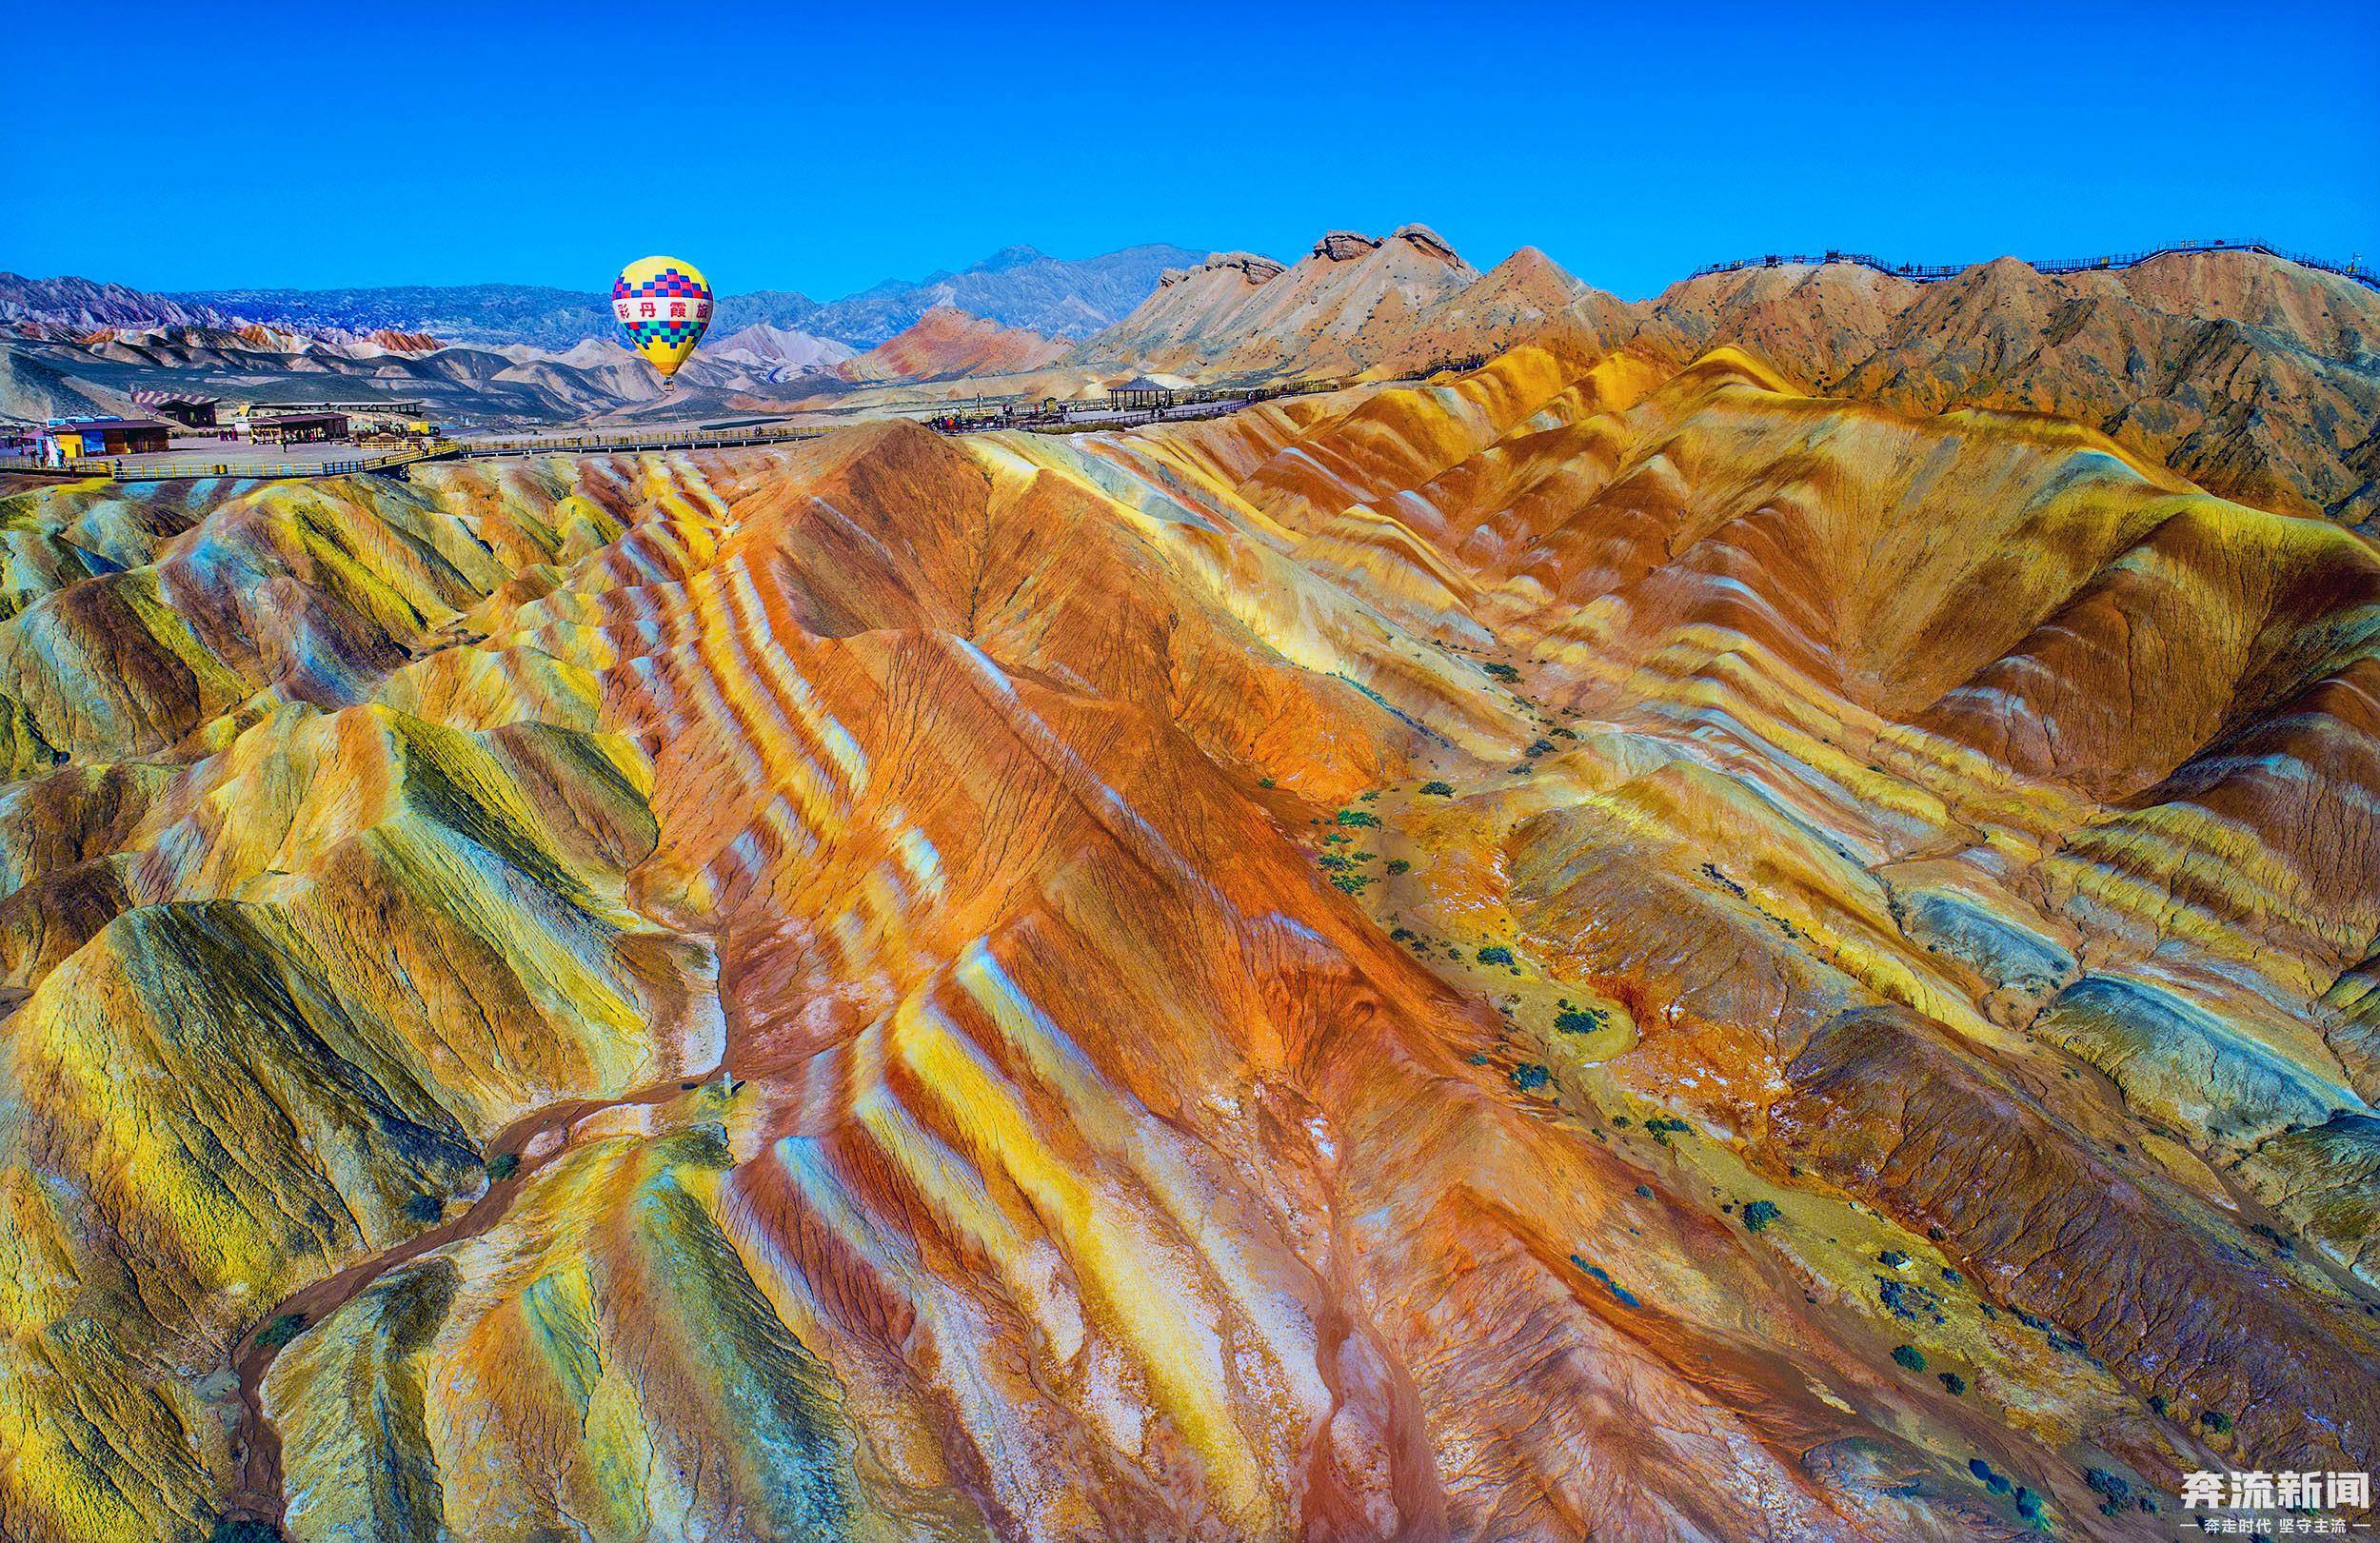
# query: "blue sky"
x,y
825,149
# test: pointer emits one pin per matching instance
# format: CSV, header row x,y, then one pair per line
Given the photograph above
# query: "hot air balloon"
x,y
663,303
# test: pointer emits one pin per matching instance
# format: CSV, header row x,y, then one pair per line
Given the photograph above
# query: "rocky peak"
x,y
1252,266
1346,246
1424,239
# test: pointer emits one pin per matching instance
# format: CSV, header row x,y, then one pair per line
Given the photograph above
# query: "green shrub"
x,y
1620,1293
243,1530
1502,672
1579,1020
1496,954
1398,865
1892,1259
1356,817
503,1166
1529,1076
2215,1420
280,1330
1539,747
1955,1383
424,1209
1759,1214
1910,1356
2114,1489
1439,790
1264,782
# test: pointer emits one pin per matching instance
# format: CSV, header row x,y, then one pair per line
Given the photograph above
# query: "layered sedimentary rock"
x,y
946,342
1326,314
2252,376
1580,949
2248,374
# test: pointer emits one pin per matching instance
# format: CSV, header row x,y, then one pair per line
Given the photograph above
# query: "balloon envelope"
x,y
662,304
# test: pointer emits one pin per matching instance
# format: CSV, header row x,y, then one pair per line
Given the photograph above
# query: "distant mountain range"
x,y
2253,375
1017,286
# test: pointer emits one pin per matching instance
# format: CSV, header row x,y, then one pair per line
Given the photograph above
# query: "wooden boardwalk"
x,y
979,416
1935,274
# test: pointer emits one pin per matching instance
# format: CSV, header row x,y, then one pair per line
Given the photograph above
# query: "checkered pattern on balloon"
x,y
668,308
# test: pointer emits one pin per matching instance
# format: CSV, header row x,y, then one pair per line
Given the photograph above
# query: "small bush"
x,y
1356,817
243,1530
1438,790
1957,1384
1529,1076
2114,1489
503,1166
1996,1483
1264,782
1910,1356
1759,1214
2028,1503
1892,1259
2156,1403
1620,1293
424,1209
281,1330
1908,1301
1645,1191
1398,865
1502,672
2215,1420
1579,1020
1496,954
1539,747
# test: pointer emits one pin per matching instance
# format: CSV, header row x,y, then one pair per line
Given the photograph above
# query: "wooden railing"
x,y
598,443
1933,273
1015,412
126,469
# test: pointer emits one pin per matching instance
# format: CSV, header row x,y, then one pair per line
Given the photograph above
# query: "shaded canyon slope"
x,y
1603,949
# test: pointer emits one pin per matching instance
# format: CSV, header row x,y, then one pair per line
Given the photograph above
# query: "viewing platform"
x,y
1932,273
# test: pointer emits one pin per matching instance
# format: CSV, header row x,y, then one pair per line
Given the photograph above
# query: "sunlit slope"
x,y
1564,949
